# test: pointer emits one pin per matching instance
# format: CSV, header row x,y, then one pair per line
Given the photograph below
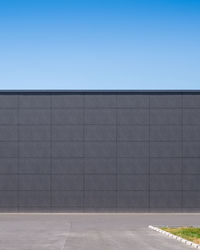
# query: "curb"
x,y
187,242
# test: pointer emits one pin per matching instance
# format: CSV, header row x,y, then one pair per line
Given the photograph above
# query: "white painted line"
x,y
187,242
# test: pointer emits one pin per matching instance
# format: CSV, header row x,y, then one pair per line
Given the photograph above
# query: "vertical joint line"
x,y
149,159
18,155
51,203
181,151
83,205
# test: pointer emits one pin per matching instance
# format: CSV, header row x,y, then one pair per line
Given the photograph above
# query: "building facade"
x,y
109,151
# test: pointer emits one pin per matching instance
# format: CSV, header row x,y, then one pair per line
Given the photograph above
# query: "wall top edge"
x,y
49,91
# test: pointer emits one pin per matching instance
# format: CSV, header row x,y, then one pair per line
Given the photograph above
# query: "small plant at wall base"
x,y
188,233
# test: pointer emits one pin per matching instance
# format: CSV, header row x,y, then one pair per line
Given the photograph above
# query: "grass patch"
x,y
188,233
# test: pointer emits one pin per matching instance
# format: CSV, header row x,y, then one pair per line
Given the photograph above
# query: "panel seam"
x,y
149,157
84,156
182,152
116,157
18,155
51,153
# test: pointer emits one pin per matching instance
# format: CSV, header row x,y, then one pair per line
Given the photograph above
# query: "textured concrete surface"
x,y
99,151
89,231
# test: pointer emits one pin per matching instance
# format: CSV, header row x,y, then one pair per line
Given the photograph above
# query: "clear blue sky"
x,y
99,44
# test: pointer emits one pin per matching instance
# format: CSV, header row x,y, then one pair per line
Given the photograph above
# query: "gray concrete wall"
x,y
93,151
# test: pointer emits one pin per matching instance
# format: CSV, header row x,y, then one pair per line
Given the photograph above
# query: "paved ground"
x,y
89,231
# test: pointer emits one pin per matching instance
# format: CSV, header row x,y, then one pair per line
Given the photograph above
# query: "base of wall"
x,y
96,210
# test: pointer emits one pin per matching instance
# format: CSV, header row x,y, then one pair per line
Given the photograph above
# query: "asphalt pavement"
x,y
90,231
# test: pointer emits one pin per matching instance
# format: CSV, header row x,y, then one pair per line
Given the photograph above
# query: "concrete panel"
x,y
133,133
35,209
165,101
100,116
67,149
165,133
67,182
165,182
66,209
100,149
191,116
100,133
34,149
34,101
165,165
8,116
191,199
8,165
100,199
8,101
100,101
133,101
34,182
191,101
67,133
34,133
34,198
191,133
100,182
132,166
34,116
165,199
165,116
67,101
133,116
100,166
191,149
132,182
165,149
8,149
34,166
132,199
8,199
67,116
67,198
191,166
68,166
132,149
8,182
191,182
8,133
